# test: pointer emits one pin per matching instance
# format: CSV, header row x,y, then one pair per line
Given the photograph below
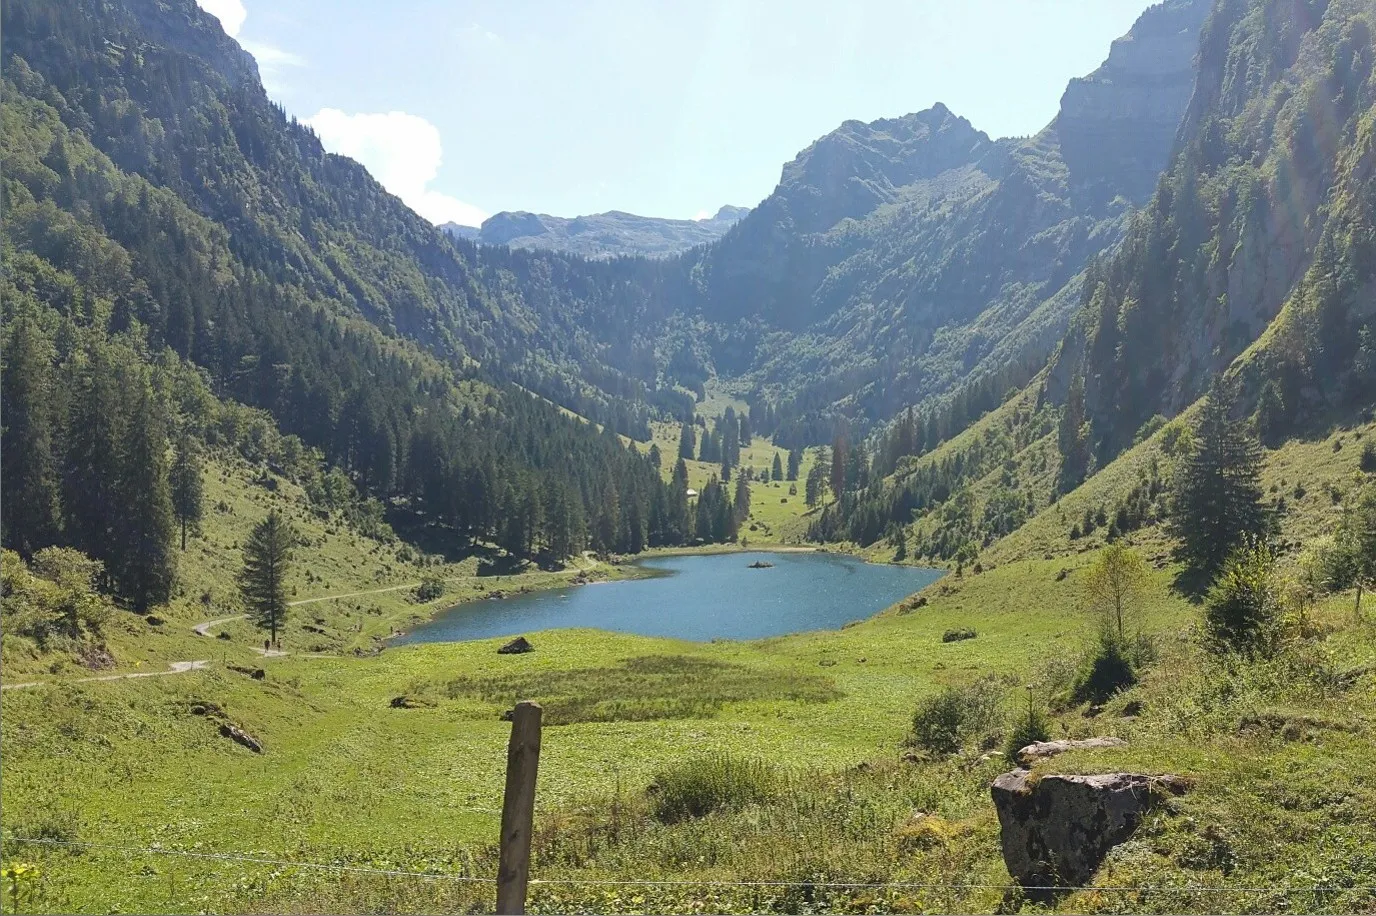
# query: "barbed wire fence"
x,y
276,862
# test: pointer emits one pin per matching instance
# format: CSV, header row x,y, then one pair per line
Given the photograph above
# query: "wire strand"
x,y
611,882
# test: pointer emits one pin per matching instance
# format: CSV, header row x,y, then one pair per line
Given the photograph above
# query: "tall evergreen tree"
x,y
185,478
687,440
837,480
1072,437
262,582
777,472
742,500
30,488
795,462
1217,506
144,564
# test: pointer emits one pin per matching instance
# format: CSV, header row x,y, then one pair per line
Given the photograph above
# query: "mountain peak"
x,y
860,166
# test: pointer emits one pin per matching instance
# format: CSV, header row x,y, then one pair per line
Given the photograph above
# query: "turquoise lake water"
x,y
699,598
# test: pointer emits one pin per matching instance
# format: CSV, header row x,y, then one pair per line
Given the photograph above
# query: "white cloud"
x,y
273,62
231,14
702,215
402,151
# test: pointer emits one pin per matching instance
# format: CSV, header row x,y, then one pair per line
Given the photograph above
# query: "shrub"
x,y
945,721
1028,726
720,782
431,588
1243,610
1368,459
1106,669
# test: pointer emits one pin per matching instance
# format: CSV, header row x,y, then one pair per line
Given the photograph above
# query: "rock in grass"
x,y
409,702
1056,830
1044,749
958,635
518,646
256,673
239,736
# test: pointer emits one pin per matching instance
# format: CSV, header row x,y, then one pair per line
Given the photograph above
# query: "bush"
x,y
431,588
721,782
1028,726
945,721
1107,668
1243,609
1368,459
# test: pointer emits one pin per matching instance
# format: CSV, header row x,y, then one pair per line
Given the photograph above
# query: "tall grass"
x,y
720,782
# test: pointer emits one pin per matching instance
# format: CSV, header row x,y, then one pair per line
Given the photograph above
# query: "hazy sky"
x,y
659,107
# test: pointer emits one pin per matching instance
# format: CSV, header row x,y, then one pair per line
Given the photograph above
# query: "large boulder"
x,y
518,646
1058,829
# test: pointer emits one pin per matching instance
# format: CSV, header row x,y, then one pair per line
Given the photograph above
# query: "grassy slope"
x,y
348,778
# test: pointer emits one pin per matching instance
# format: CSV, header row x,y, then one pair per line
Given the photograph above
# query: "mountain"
x,y
900,260
1253,240
1251,268
601,235
182,257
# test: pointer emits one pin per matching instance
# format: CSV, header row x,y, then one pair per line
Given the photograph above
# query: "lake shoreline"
x,y
806,599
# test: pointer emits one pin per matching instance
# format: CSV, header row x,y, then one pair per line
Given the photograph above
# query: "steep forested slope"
x,y
1253,260
1267,201
165,226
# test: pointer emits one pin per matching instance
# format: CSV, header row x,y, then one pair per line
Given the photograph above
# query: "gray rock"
x,y
1056,830
239,736
1044,749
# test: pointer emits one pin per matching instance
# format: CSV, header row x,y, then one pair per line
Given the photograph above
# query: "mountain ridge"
x,y
614,233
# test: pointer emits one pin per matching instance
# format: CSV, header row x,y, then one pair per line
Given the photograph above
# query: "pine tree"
x,y
30,490
95,436
144,563
687,441
262,582
1217,506
838,468
187,485
1271,414
742,500
795,462
1072,437
777,472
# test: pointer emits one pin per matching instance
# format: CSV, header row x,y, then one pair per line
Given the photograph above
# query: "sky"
x,y
667,108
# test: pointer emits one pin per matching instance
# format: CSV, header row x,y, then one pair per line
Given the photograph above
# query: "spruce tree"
x,y
1217,506
1072,437
742,501
687,441
262,582
795,462
187,485
30,489
144,563
777,472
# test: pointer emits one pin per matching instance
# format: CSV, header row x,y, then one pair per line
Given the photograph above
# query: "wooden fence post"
x,y
518,808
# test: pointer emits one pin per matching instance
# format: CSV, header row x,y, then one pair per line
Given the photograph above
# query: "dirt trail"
x,y
173,668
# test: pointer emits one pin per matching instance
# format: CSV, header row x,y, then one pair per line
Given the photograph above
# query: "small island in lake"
x,y
761,564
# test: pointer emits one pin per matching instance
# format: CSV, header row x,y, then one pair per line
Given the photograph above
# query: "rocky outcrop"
x,y
240,737
1045,749
518,646
1118,124
1056,830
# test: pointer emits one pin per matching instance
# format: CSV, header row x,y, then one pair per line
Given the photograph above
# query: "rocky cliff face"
x,y
859,167
1117,125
